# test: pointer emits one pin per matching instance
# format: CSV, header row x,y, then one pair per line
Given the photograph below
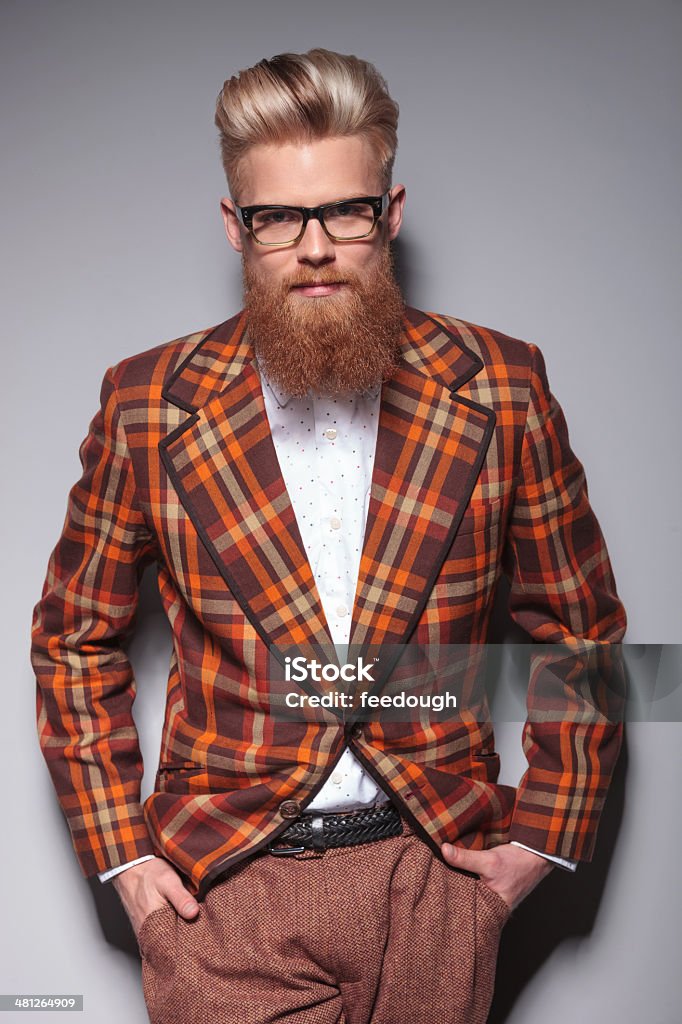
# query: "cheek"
x,y
271,267
362,258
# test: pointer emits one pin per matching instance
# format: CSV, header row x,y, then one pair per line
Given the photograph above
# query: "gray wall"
x,y
546,131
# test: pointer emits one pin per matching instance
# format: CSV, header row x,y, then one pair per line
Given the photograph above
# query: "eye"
x,y
358,217
276,217
349,210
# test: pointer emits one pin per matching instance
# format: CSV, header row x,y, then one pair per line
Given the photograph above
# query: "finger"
x,y
467,860
184,902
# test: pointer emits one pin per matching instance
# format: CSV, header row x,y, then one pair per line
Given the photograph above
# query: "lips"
x,y
316,284
313,288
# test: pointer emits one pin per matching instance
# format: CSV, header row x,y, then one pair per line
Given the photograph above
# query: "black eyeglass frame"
x,y
378,203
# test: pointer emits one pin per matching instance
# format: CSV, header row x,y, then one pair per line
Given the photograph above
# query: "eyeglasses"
x,y
342,222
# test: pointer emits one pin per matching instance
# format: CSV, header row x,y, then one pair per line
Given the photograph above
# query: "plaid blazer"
x,y
473,477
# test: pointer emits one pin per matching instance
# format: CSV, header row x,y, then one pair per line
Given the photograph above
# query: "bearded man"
x,y
328,467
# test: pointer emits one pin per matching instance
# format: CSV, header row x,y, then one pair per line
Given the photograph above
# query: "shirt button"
x,y
290,808
335,523
341,611
330,433
337,778
356,731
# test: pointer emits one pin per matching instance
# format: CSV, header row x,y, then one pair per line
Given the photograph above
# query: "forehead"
x,y
309,173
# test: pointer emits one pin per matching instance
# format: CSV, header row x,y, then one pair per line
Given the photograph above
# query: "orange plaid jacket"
x,y
473,477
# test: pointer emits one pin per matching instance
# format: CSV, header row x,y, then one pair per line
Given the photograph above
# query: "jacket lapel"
x,y
430,448
223,464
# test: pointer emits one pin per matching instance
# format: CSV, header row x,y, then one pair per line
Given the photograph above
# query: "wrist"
x,y
132,871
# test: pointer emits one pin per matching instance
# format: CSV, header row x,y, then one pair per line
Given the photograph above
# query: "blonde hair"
x,y
299,97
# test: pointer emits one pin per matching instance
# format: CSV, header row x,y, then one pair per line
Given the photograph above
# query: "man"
x,y
326,468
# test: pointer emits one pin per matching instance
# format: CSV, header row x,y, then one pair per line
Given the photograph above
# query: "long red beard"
x,y
334,343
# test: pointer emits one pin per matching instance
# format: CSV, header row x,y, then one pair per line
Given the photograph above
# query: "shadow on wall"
x,y
405,269
149,651
564,905
116,928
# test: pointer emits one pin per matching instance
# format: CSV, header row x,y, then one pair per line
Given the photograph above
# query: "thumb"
x,y
183,901
467,860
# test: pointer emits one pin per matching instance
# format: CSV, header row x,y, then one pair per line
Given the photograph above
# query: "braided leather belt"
x,y
323,831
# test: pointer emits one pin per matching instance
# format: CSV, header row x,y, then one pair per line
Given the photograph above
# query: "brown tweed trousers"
x,y
382,933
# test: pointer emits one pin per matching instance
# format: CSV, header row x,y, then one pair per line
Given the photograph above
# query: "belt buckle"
x,y
318,841
285,851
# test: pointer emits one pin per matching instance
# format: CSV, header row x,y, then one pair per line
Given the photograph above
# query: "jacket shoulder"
x,y
154,367
493,347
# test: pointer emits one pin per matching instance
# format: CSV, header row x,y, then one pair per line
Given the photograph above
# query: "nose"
x,y
315,246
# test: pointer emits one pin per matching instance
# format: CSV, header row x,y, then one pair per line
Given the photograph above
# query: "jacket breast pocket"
x,y
479,516
470,566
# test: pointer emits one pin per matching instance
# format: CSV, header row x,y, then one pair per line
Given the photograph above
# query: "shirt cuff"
x,y
104,876
569,865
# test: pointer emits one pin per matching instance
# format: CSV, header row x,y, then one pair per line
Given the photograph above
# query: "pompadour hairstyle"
x,y
300,97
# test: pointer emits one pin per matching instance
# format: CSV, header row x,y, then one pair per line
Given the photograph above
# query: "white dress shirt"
x,y
325,447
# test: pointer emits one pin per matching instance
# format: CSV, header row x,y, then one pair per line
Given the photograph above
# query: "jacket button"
x,y
356,731
290,808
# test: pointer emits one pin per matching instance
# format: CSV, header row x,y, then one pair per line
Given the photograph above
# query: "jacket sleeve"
x,y
563,593
85,685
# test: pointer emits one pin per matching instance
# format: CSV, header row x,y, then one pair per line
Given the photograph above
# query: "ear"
x,y
233,227
394,215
